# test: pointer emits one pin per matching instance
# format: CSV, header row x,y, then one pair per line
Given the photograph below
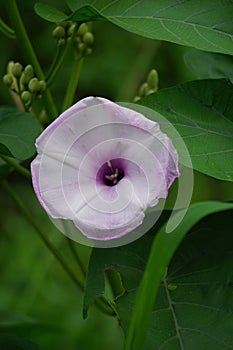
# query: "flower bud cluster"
x,y
83,37
23,82
149,86
84,40
63,31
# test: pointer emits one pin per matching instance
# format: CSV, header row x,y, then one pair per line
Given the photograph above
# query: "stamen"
x,y
115,176
110,177
110,165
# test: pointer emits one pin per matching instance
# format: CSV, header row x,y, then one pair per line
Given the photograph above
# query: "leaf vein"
x,y
109,5
177,328
132,6
201,305
207,335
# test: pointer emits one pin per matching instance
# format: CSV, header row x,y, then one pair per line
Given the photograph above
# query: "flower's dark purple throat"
x,y
111,172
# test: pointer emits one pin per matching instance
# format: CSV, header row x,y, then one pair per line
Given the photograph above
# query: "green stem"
x,y
55,66
76,256
59,59
100,302
70,92
29,53
5,29
43,235
19,168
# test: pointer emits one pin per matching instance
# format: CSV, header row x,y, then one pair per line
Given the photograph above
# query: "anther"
x,y
114,177
110,165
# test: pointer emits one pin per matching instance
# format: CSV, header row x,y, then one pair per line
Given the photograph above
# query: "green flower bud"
x,y
24,79
8,80
59,32
34,85
71,29
77,40
153,79
88,38
17,69
88,51
143,90
10,65
61,42
26,97
81,47
150,92
43,117
82,29
29,72
136,98
42,85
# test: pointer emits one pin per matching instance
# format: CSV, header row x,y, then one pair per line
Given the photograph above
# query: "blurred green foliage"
x,y
119,64
32,283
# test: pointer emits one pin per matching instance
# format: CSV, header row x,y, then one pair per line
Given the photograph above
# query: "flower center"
x,y
113,174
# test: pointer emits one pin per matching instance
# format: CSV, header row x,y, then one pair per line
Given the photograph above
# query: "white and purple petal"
x,y
101,165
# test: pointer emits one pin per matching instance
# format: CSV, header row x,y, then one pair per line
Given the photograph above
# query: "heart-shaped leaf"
x,y
201,112
193,308
18,132
206,25
209,65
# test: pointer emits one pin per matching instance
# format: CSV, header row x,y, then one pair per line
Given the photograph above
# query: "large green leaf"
x,y
18,132
161,253
201,111
129,260
133,255
49,13
193,308
209,65
206,25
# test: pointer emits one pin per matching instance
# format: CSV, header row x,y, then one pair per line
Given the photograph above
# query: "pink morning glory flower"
x,y
101,165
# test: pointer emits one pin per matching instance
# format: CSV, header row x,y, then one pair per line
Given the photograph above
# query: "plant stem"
x,y
100,302
59,59
72,86
5,29
29,53
76,256
18,167
55,66
43,235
